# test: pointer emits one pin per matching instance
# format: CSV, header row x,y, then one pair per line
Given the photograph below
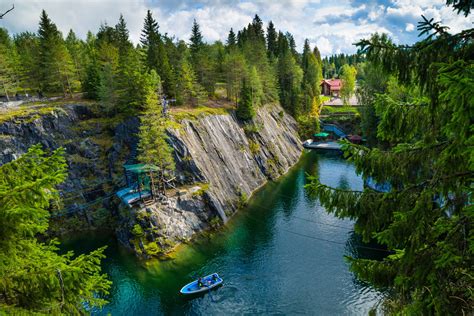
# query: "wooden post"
x,y
138,184
152,188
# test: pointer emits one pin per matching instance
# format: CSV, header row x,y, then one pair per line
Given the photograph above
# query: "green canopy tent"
x,y
144,176
322,135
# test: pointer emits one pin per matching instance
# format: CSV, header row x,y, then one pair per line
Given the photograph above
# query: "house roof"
x,y
335,84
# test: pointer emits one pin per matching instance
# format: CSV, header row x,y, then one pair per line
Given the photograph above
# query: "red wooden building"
x,y
331,87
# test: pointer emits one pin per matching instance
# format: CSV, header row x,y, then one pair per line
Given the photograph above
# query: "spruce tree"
x,y
121,36
26,44
36,279
231,40
55,65
311,86
153,147
235,69
272,37
190,91
9,65
245,109
156,55
196,40
425,220
290,76
305,56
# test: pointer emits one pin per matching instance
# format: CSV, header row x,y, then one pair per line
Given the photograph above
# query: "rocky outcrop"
x,y
230,160
236,159
95,150
220,161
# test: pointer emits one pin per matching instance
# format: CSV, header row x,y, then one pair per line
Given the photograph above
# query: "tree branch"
x,y
3,14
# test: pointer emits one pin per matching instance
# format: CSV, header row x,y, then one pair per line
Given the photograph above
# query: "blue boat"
x,y
209,282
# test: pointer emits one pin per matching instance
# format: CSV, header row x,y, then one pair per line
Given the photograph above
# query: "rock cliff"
x,y
229,161
220,162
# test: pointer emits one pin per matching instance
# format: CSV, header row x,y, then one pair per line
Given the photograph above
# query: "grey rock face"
x,y
234,162
219,162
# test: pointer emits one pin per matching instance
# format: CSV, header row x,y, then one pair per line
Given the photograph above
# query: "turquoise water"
x,y
283,254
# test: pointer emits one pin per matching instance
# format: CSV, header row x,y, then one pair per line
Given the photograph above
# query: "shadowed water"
x,y
283,254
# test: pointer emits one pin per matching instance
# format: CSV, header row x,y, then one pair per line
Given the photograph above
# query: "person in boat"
x,y
200,284
214,278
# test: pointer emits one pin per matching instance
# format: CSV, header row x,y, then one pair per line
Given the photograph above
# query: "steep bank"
x,y
95,150
236,159
220,162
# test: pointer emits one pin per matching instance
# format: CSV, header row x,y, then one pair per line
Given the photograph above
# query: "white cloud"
x,y
332,25
324,45
409,27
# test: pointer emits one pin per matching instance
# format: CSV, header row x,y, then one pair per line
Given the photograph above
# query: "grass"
x,y
29,112
339,109
192,114
324,98
26,113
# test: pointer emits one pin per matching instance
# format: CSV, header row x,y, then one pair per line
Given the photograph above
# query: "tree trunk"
x,y
6,92
62,83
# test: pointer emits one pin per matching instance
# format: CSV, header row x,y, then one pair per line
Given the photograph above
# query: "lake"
x,y
281,255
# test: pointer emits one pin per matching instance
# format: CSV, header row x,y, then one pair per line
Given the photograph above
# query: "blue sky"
x,y
331,25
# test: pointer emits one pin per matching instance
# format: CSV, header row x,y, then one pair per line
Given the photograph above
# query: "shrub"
x,y
137,230
254,147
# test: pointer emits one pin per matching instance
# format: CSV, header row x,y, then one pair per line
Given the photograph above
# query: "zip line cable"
x,y
320,239
310,220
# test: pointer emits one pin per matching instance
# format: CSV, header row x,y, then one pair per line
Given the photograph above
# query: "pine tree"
x,y
235,67
196,40
255,86
311,85
55,64
190,91
156,56
290,77
272,38
35,278
231,40
153,147
9,65
26,44
425,220
245,109
76,50
305,56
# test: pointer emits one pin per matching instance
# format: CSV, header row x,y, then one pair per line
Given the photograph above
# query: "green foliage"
x,y
137,231
153,147
215,222
254,147
348,77
246,109
242,199
374,82
152,249
425,121
35,278
156,56
307,126
190,91
290,77
56,68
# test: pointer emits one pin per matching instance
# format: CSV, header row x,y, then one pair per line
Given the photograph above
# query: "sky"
x,y
332,25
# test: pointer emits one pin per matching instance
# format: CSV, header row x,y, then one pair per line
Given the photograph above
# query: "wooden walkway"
x,y
330,145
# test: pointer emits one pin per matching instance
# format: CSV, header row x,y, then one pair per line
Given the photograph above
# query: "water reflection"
x,y
283,254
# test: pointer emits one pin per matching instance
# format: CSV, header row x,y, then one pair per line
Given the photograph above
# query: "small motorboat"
x,y
208,282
